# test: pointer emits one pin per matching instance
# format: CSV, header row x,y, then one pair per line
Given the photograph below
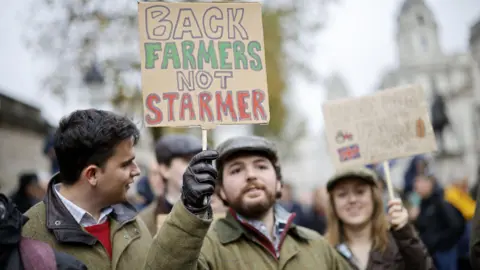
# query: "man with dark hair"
x,y
173,153
257,233
85,212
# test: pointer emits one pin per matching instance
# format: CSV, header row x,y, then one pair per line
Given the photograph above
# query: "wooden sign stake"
x,y
204,139
386,169
205,129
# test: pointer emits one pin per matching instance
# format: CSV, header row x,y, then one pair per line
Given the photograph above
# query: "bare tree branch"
x,y
75,33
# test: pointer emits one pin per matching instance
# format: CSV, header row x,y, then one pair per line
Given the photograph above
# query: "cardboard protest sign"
x,y
203,64
162,217
390,124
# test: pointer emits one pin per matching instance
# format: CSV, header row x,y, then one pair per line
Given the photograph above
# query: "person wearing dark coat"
x,y
145,191
28,193
439,223
173,153
18,253
288,202
475,233
416,167
49,152
316,218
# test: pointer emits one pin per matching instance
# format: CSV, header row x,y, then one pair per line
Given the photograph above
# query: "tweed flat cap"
x,y
246,144
362,173
176,145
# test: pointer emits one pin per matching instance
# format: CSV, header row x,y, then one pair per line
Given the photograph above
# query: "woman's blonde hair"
x,y
380,226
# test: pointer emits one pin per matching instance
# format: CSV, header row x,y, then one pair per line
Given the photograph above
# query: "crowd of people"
x,y
225,208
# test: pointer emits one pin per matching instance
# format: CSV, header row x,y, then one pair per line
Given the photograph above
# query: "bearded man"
x,y
257,233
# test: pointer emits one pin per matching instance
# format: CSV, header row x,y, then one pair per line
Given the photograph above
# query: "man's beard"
x,y
253,210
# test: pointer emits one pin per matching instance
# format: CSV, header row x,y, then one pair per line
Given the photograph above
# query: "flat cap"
x,y
246,144
176,145
362,173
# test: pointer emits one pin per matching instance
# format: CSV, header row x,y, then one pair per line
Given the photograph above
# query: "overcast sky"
x,y
358,43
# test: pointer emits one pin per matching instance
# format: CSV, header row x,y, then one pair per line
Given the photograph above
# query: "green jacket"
x,y
185,242
148,217
50,222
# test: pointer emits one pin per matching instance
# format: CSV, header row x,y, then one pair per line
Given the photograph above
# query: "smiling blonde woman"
x,y
363,234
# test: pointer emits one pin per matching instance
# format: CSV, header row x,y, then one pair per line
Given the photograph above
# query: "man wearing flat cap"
x,y
173,153
256,233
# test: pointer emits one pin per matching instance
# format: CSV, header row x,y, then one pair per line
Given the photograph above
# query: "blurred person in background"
x,y
49,152
474,188
439,223
29,191
457,195
315,217
474,253
418,165
173,153
361,232
150,186
19,253
288,202
144,193
155,180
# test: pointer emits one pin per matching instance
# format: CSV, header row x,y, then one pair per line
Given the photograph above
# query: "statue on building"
x,y
440,120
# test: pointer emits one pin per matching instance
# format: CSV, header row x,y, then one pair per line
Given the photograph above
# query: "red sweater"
x,y
102,233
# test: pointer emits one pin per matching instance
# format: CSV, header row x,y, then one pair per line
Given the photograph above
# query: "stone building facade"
x,y
22,135
474,42
422,60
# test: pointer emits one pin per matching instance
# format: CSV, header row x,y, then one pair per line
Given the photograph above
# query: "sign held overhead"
x,y
203,64
390,124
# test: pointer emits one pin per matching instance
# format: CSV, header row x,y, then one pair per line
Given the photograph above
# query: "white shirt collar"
x,y
82,217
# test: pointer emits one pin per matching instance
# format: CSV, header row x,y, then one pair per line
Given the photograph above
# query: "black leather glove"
x,y
199,182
